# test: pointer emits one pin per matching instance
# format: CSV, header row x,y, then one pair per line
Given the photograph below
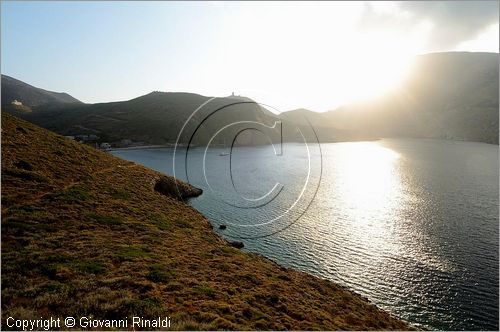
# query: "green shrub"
x,y
206,290
130,253
158,273
160,222
105,219
91,267
121,194
76,193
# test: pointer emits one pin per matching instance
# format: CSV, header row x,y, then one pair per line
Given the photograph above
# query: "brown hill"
x,y
85,233
30,96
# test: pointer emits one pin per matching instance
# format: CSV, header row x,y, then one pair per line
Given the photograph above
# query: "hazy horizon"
x,y
316,56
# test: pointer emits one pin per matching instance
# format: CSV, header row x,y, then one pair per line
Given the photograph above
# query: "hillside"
x,y
30,96
85,233
447,95
323,128
155,118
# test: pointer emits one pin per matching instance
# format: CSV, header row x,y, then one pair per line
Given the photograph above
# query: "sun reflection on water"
x,y
368,190
407,223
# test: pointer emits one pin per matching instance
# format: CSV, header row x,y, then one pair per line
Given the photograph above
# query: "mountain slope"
x,y
155,118
304,119
86,234
447,95
30,96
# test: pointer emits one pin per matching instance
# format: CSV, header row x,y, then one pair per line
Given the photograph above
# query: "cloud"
x,y
452,22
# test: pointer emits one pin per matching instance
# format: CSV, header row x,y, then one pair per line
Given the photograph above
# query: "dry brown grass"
x,y
85,233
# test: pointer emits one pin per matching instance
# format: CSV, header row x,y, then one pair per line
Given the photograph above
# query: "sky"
x,y
288,55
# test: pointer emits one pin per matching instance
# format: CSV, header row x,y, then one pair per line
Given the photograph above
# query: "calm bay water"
x,y
412,224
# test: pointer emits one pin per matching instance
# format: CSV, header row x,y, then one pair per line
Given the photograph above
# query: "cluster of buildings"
x,y
93,140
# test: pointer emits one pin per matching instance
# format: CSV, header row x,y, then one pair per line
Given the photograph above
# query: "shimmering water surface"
x,y
412,224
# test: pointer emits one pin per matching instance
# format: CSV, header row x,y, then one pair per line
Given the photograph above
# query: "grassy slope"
x,y
84,233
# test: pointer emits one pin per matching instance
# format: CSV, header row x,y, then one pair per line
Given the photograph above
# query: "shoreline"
x,y
110,238
171,146
213,231
141,147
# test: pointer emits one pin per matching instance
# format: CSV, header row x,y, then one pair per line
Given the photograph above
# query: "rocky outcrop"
x,y
169,186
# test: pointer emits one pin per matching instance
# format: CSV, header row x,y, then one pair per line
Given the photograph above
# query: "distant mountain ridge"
x,y
155,118
452,95
447,95
30,96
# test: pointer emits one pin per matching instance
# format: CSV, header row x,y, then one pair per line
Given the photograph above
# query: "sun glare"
x,y
378,71
324,62
380,74
370,186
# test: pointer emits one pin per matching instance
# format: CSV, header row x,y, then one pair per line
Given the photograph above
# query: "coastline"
x,y
141,147
106,239
375,139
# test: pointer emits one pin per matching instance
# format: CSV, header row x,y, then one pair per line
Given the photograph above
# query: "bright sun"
x,y
326,61
380,74
378,71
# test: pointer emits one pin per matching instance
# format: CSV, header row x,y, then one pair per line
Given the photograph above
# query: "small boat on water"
x,y
224,153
